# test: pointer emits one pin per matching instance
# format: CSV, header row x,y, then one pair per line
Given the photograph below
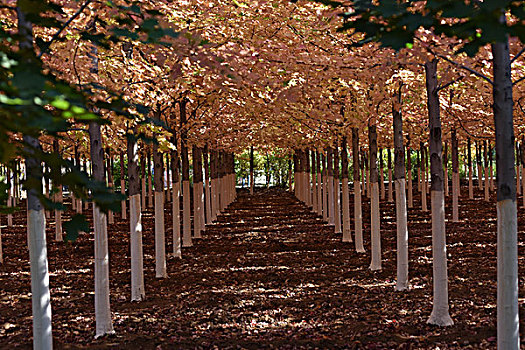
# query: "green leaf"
x,y
76,224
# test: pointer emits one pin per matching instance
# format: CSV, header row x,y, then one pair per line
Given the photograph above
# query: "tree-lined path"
x,y
268,273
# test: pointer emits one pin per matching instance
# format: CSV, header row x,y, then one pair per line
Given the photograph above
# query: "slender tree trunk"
x,y
36,232
135,220
330,189
207,192
390,190
478,164
10,196
186,201
455,178
315,207
109,168
252,179
104,324
58,198
375,241
424,206
445,168
325,189
214,185
358,214
470,183
175,203
410,197
522,158
122,187
347,235
319,184
381,175
486,170
337,192
440,315
401,205
143,172
518,168
198,203
289,173
160,233
507,301
150,181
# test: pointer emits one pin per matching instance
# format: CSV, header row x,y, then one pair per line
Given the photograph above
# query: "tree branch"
x,y
519,80
517,55
64,26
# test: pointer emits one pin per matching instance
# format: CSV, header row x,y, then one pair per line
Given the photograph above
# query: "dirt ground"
x,y
268,274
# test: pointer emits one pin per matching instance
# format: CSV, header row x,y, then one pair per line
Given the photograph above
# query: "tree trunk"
x,y
160,234
252,179
122,187
507,302
58,198
198,203
518,167
167,192
401,205
410,197
175,203
455,178
109,169
445,168
390,190
330,189
186,201
347,235
10,195
478,164
337,192
143,172
319,184
135,220
289,173
375,240
381,175
423,164
440,315
325,188
104,324
358,214
150,181
315,208
486,171
522,158
207,194
469,159
214,185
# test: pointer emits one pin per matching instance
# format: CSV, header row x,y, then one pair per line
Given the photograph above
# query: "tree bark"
x,y
109,169
160,234
186,201
122,187
325,188
143,172
104,324
507,301
319,184
135,220
330,189
313,172
382,175
198,203
469,159
445,168
59,197
375,223
486,171
175,208
455,178
410,197
252,182
440,314
358,214
347,235
207,193
150,181
390,190
423,164
401,205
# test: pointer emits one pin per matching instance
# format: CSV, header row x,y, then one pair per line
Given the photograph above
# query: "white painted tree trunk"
x,y
186,215
325,198
507,301
160,240
214,199
331,201
382,179
455,197
440,315
375,264
138,292
124,211
252,183
58,215
337,205
175,213
424,206
347,235
445,178
41,298
487,185
315,208
150,187
10,201
143,193
470,184
518,172
419,187
207,198
491,177
390,189
523,184
402,236
319,195
410,198
200,210
358,218
104,325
